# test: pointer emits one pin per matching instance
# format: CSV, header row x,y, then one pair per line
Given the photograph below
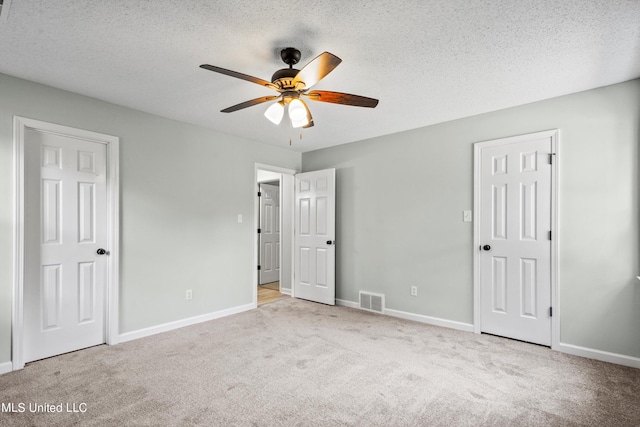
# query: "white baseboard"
x,y
467,327
165,327
345,303
605,356
436,321
589,353
6,367
285,291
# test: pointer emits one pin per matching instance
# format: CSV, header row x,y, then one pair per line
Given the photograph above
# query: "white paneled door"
x,y
65,227
269,233
315,236
515,233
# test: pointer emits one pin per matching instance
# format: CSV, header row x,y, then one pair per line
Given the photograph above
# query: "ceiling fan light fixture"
x,y
299,123
297,111
275,112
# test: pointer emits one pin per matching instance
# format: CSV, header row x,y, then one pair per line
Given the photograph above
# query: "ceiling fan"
x,y
293,84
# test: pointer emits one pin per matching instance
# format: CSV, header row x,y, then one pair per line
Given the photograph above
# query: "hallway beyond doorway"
x,y
269,292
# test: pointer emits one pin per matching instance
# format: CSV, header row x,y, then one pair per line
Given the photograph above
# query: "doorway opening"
x,y
269,234
274,238
307,228
269,238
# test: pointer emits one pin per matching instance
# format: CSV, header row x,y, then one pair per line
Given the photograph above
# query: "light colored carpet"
x,y
298,363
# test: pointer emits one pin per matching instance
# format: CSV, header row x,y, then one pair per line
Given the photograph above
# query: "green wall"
x,y
399,210
181,189
400,199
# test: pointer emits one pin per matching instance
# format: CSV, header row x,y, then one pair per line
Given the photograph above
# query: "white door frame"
x,y
20,126
256,216
555,302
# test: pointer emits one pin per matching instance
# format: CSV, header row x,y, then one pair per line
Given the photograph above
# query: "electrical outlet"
x,y
189,294
414,291
467,216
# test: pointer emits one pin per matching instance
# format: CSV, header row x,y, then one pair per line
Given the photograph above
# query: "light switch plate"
x,y
239,218
467,216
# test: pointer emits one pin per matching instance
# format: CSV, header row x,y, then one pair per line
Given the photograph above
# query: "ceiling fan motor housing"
x,y
284,78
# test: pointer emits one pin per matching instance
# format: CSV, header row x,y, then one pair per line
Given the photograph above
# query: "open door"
x,y
315,236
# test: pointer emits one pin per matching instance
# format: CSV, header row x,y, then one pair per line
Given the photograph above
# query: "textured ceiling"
x,y
427,61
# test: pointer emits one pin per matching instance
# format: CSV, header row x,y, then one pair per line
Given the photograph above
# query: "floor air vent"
x,y
372,302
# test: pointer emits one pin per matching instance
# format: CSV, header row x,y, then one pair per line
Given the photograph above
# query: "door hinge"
x,y
551,158
550,311
549,234
259,230
259,268
259,194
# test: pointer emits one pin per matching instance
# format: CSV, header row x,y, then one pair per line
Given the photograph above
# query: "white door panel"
x,y
65,225
515,272
269,233
315,236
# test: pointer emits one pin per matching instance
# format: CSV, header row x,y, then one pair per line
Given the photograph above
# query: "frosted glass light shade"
x,y
275,113
298,113
299,123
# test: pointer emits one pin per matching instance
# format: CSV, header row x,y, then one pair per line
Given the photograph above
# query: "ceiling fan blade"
x,y
342,98
317,69
239,76
248,104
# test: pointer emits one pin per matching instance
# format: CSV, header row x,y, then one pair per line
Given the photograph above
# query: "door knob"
x,y
486,247
102,252
331,242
